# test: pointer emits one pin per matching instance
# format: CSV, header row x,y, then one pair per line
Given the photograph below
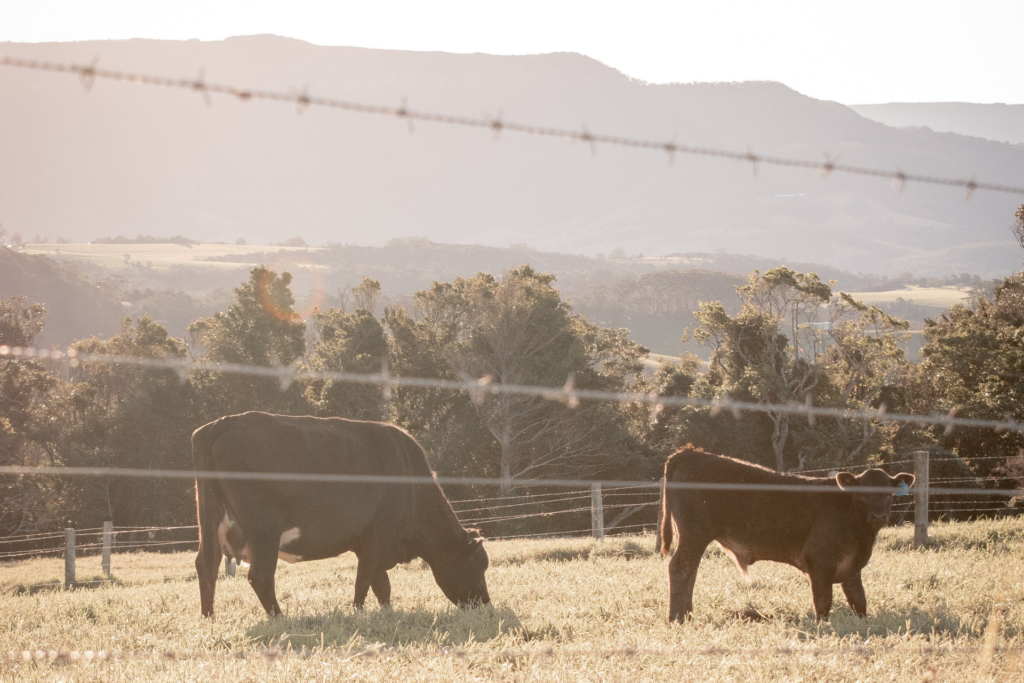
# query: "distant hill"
x,y
653,297
124,159
76,307
1000,122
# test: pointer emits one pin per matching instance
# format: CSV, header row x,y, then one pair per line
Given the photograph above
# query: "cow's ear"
x,y
846,480
905,478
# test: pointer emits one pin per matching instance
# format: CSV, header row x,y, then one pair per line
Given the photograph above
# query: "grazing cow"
x,y
826,535
259,521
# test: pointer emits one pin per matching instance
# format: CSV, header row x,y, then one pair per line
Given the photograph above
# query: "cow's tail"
x,y
210,511
667,530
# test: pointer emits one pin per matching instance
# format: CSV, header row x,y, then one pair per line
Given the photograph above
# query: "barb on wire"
x,y
825,170
199,85
753,159
899,179
302,100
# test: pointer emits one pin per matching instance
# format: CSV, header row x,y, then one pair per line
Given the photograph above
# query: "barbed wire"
x,y
520,496
545,502
546,534
552,513
303,100
479,389
840,468
46,536
519,505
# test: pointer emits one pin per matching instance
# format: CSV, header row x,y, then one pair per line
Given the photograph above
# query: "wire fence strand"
x,y
303,100
567,394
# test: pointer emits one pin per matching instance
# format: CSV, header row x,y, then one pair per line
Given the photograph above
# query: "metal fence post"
x,y
596,512
69,558
920,499
229,566
108,533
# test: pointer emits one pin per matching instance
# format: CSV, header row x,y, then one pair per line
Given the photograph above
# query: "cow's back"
x,y
332,516
753,524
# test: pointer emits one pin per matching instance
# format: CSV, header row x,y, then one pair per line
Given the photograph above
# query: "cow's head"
x,y
460,571
874,505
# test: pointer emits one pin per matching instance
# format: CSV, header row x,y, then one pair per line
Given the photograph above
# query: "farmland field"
x,y
112,256
564,609
938,297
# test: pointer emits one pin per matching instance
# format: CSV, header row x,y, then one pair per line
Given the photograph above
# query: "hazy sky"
x,y
852,51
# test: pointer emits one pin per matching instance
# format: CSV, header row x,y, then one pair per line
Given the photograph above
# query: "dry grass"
x,y
563,610
942,297
158,256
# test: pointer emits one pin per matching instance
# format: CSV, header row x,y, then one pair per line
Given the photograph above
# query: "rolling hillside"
x,y
125,159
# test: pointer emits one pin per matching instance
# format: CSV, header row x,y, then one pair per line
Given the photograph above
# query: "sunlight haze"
x,y
865,52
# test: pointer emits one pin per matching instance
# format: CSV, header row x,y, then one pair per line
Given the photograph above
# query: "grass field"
x,y
940,297
563,610
112,256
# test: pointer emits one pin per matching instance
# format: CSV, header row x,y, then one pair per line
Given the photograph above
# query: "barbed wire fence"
x,y
89,73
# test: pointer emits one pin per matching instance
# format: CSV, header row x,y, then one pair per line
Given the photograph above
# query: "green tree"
x,y
349,342
974,357
27,407
793,342
518,331
127,416
259,328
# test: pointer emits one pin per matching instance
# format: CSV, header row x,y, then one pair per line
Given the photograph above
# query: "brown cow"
x,y
259,521
826,535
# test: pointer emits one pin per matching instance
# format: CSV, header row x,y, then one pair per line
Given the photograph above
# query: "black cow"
x,y
826,535
384,524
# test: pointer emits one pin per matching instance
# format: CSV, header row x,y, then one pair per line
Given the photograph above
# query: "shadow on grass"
x,y
388,628
886,622
626,551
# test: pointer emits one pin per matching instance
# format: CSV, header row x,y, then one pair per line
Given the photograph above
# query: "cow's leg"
x,y
208,560
381,585
854,591
207,567
261,572
682,575
821,591
366,573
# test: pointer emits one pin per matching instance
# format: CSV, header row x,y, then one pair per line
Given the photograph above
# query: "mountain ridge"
x,y
123,159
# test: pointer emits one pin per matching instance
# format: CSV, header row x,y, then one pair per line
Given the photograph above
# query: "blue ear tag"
x,y
902,489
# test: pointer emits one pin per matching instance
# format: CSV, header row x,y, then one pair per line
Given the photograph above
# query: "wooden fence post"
x,y
69,558
920,499
596,512
229,566
108,534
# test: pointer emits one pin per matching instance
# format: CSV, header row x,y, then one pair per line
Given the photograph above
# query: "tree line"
x,y
790,338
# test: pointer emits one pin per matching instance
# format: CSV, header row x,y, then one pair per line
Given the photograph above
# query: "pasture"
x,y
159,256
564,610
938,297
